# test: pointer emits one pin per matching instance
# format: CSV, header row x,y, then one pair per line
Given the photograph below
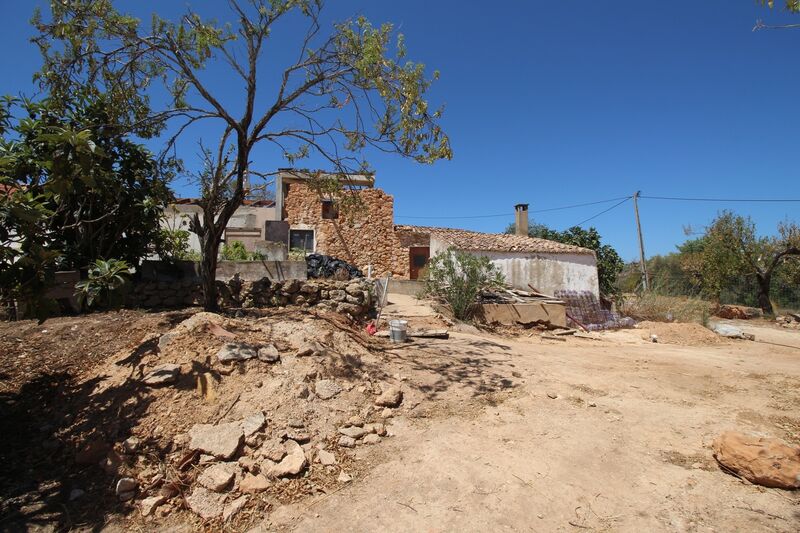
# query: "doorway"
x,y
418,260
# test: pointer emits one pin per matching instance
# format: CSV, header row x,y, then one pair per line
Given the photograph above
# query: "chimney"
x,y
521,219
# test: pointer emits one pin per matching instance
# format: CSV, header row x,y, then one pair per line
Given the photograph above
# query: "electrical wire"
x,y
604,211
512,214
718,199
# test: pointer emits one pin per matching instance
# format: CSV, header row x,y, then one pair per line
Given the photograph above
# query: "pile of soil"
x,y
686,334
108,421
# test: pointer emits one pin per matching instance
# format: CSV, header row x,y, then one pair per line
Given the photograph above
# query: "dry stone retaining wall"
x,y
352,297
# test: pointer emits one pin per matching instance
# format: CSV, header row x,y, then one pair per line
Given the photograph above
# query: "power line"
x,y
579,205
512,214
682,199
602,212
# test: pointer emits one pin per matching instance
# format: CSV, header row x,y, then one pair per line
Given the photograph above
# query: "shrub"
x,y
105,285
656,307
173,245
458,278
235,251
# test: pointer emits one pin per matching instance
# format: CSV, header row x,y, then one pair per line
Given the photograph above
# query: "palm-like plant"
x,y
104,288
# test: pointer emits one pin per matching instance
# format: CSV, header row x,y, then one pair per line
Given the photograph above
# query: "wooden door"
x,y
418,259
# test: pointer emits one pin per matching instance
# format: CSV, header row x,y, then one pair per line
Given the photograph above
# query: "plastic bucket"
x,y
397,330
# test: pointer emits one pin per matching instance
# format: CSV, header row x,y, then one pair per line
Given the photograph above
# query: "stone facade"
x,y
362,239
353,297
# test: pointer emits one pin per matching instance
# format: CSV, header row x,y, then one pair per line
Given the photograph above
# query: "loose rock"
x,y
326,458
291,465
391,397
371,439
353,432
232,508
764,461
269,354
253,483
221,440
126,484
344,478
253,424
130,445
205,503
148,505
232,352
347,442
162,375
217,477
326,389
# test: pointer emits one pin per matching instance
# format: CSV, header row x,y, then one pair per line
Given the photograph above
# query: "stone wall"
x,y
354,297
362,239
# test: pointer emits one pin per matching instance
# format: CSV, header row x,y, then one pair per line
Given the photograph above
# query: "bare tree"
x,y
348,90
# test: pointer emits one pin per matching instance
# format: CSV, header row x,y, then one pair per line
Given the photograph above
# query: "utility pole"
x,y
645,281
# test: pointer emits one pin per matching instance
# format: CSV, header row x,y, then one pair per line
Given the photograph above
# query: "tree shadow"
x,y
56,434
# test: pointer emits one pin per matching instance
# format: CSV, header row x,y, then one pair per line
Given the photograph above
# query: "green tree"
x,y
609,263
732,249
349,89
78,190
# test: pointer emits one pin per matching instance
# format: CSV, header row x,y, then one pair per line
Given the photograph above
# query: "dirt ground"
x,y
518,433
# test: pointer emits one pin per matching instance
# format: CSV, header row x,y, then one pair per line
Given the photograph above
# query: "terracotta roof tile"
x,y
496,242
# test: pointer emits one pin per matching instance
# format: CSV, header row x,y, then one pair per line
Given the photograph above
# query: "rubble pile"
x,y
243,415
790,321
739,312
353,297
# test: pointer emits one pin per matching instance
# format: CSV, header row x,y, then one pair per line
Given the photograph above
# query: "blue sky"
x,y
560,103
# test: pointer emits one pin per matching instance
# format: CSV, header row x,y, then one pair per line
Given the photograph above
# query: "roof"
x,y
347,179
496,242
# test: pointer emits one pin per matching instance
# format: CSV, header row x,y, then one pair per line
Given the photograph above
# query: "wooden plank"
x,y
421,334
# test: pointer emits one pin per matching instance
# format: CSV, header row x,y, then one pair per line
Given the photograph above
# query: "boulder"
x,y
390,397
232,352
217,477
764,461
347,442
162,375
273,449
326,389
206,503
221,440
291,465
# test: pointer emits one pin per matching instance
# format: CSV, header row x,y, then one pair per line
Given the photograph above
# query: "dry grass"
x,y
659,308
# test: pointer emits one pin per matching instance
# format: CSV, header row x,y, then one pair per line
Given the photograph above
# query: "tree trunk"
x,y
764,282
208,270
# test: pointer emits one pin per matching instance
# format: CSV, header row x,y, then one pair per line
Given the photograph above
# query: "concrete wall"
x,y
547,272
248,270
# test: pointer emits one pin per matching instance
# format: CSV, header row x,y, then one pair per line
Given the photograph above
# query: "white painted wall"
x,y
547,272
246,217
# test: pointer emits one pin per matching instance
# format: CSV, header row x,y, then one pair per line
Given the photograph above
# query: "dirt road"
x,y
624,446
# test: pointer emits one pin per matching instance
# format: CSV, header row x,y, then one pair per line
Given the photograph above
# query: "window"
x,y
330,210
301,239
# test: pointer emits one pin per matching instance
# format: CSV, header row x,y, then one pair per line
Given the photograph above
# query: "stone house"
x,y
302,220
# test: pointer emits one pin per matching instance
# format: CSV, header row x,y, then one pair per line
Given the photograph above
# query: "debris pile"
x,y
739,312
790,321
325,266
242,413
584,310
